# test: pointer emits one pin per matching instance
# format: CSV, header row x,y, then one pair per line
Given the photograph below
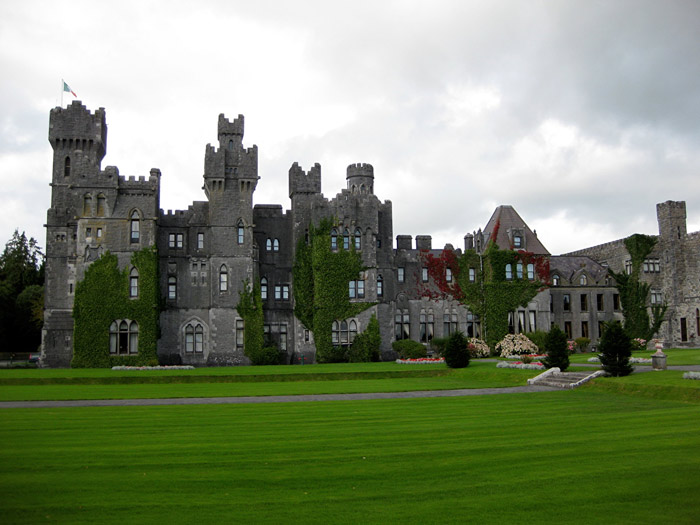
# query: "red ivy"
x,y
541,263
437,266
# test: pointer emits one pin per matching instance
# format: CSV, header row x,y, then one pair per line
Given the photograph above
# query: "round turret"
x,y
360,178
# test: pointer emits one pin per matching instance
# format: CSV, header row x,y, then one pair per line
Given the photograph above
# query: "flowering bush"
x,y
174,367
639,344
691,375
571,346
515,344
519,364
421,361
478,348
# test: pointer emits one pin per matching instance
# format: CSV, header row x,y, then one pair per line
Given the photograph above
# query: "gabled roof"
x,y
568,266
504,222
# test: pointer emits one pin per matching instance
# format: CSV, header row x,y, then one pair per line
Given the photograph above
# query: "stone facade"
x,y
210,250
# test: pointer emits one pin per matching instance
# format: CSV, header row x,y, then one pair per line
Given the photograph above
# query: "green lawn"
x,y
240,381
582,456
674,356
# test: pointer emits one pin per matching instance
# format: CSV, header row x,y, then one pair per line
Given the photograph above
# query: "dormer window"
x,y
517,241
583,280
555,280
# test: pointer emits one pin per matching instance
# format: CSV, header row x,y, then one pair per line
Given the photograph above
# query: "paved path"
x,y
273,399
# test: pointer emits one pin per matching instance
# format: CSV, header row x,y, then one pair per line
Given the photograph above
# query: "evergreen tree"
x,y
556,348
21,290
615,349
456,352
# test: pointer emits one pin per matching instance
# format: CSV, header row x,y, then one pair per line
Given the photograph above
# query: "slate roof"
x,y
569,267
509,221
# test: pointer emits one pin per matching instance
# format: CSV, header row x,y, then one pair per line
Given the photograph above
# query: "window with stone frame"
x,y
200,241
223,278
473,325
401,274
240,334
134,283
472,275
531,272
263,288
584,328
276,245
346,239
616,301
380,286
172,287
584,302
123,337
402,325
424,274
194,338
519,270
358,239
656,297
449,322
509,272
566,301
268,245
241,231
334,239
600,302
135,227
567,329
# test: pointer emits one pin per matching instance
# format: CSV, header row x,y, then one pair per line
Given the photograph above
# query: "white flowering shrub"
x,y
515,344
525,366
691,375
478,348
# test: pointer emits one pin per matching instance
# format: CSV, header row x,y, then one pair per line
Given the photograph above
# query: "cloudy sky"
x,y
581,114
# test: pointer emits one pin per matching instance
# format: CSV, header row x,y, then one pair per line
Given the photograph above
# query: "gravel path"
x,y
273,399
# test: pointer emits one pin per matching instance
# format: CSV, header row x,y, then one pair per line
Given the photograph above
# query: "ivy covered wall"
x,y
321,294
250,308
102,297
479,281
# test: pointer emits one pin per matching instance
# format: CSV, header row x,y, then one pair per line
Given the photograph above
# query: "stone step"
x,y
564,379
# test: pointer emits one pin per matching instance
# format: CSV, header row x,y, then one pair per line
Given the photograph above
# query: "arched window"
x,y
101,200
134,283
135,227
363,188
346,239
343,332
509,272
334,239
555,280
194,338
583,280
66,167
123,337
230,145
172,287
223,278
358,239
276,245
380,286
353,331
241,232
263,288
335,333
531,271
87,204
268,244
519,270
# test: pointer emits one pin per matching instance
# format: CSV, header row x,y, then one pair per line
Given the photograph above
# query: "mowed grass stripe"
x,y
560,457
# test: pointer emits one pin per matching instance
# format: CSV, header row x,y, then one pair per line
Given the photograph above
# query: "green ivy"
x,y
491,296
635,294
321,294
250,309
103,297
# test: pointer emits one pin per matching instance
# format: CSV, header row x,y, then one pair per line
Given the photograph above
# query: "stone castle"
x,y
208,251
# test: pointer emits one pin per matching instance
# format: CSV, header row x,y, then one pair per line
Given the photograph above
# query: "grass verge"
x,y
485,459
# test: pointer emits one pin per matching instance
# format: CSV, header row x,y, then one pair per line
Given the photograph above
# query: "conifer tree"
x,y
615,349
556,348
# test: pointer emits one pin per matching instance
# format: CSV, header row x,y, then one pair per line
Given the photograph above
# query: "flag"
x,y
67,89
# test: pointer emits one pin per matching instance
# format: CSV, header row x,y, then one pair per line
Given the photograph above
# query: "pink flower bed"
x,y
421,361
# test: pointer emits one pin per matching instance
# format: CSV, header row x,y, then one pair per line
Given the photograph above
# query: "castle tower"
x,y
360,178
79,142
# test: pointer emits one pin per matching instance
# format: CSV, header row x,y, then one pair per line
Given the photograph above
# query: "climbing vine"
x,y
479,282
102,297
321,292
250,309
635,294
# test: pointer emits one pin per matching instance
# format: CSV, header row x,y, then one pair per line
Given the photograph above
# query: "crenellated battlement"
x,y
227,127
360,170
303,182
75,127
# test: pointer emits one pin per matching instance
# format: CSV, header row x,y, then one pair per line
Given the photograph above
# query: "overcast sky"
x,y
582,115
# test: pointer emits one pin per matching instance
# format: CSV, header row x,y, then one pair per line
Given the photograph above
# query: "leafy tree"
x,y
615,349
556,348
456,352
21,294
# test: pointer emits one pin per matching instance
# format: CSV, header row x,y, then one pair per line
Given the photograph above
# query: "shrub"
x,y
515,344
437,344
456,351
638,344
614,350
409,349
367,345
582,343
333,354
267,355
556,348
478,348
537,337
527,359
